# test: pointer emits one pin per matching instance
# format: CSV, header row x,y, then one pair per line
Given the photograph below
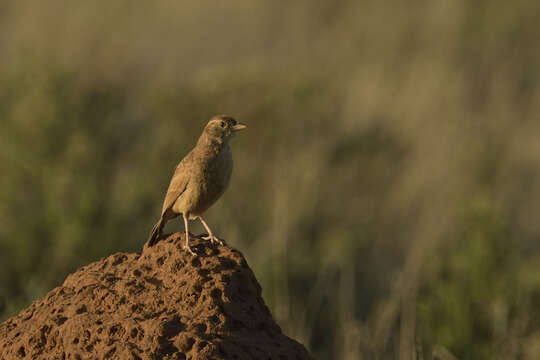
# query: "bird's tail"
x,y
156,232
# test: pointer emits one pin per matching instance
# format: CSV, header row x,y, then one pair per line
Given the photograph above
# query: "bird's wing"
x,y
178,184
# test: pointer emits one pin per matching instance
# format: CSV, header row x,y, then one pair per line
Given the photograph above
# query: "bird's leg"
x,y
187,234
210,236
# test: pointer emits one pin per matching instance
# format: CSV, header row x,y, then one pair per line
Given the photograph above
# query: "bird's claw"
x,y
189,250
212,239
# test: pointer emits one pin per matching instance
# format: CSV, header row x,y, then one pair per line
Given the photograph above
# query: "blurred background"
x,y
386,193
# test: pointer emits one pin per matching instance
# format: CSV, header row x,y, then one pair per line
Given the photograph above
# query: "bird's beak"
x,y
239,126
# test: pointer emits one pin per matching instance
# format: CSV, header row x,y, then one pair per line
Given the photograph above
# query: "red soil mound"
x,y
161,304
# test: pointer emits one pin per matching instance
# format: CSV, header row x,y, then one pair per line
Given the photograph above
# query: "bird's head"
x,y
222,128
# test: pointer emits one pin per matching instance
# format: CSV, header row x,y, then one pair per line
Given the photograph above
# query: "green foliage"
x,y
477,276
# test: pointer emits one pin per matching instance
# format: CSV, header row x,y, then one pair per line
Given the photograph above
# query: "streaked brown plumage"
x,y
200,178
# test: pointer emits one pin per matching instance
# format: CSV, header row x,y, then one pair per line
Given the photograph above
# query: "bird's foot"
x,y
189,250
212,239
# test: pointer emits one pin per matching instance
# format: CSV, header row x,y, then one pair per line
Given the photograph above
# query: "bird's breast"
x,y
213,178
218,171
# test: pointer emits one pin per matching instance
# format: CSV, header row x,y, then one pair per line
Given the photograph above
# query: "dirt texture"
x,y
160,304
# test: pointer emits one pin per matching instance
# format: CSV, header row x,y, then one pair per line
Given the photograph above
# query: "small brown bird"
x,y
200,178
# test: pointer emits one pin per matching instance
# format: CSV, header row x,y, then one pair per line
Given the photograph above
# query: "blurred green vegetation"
x,y
385,193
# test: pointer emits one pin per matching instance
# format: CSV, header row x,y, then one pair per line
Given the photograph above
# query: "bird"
x,y
200,178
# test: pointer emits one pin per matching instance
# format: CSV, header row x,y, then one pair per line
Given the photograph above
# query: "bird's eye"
x,y
222,124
